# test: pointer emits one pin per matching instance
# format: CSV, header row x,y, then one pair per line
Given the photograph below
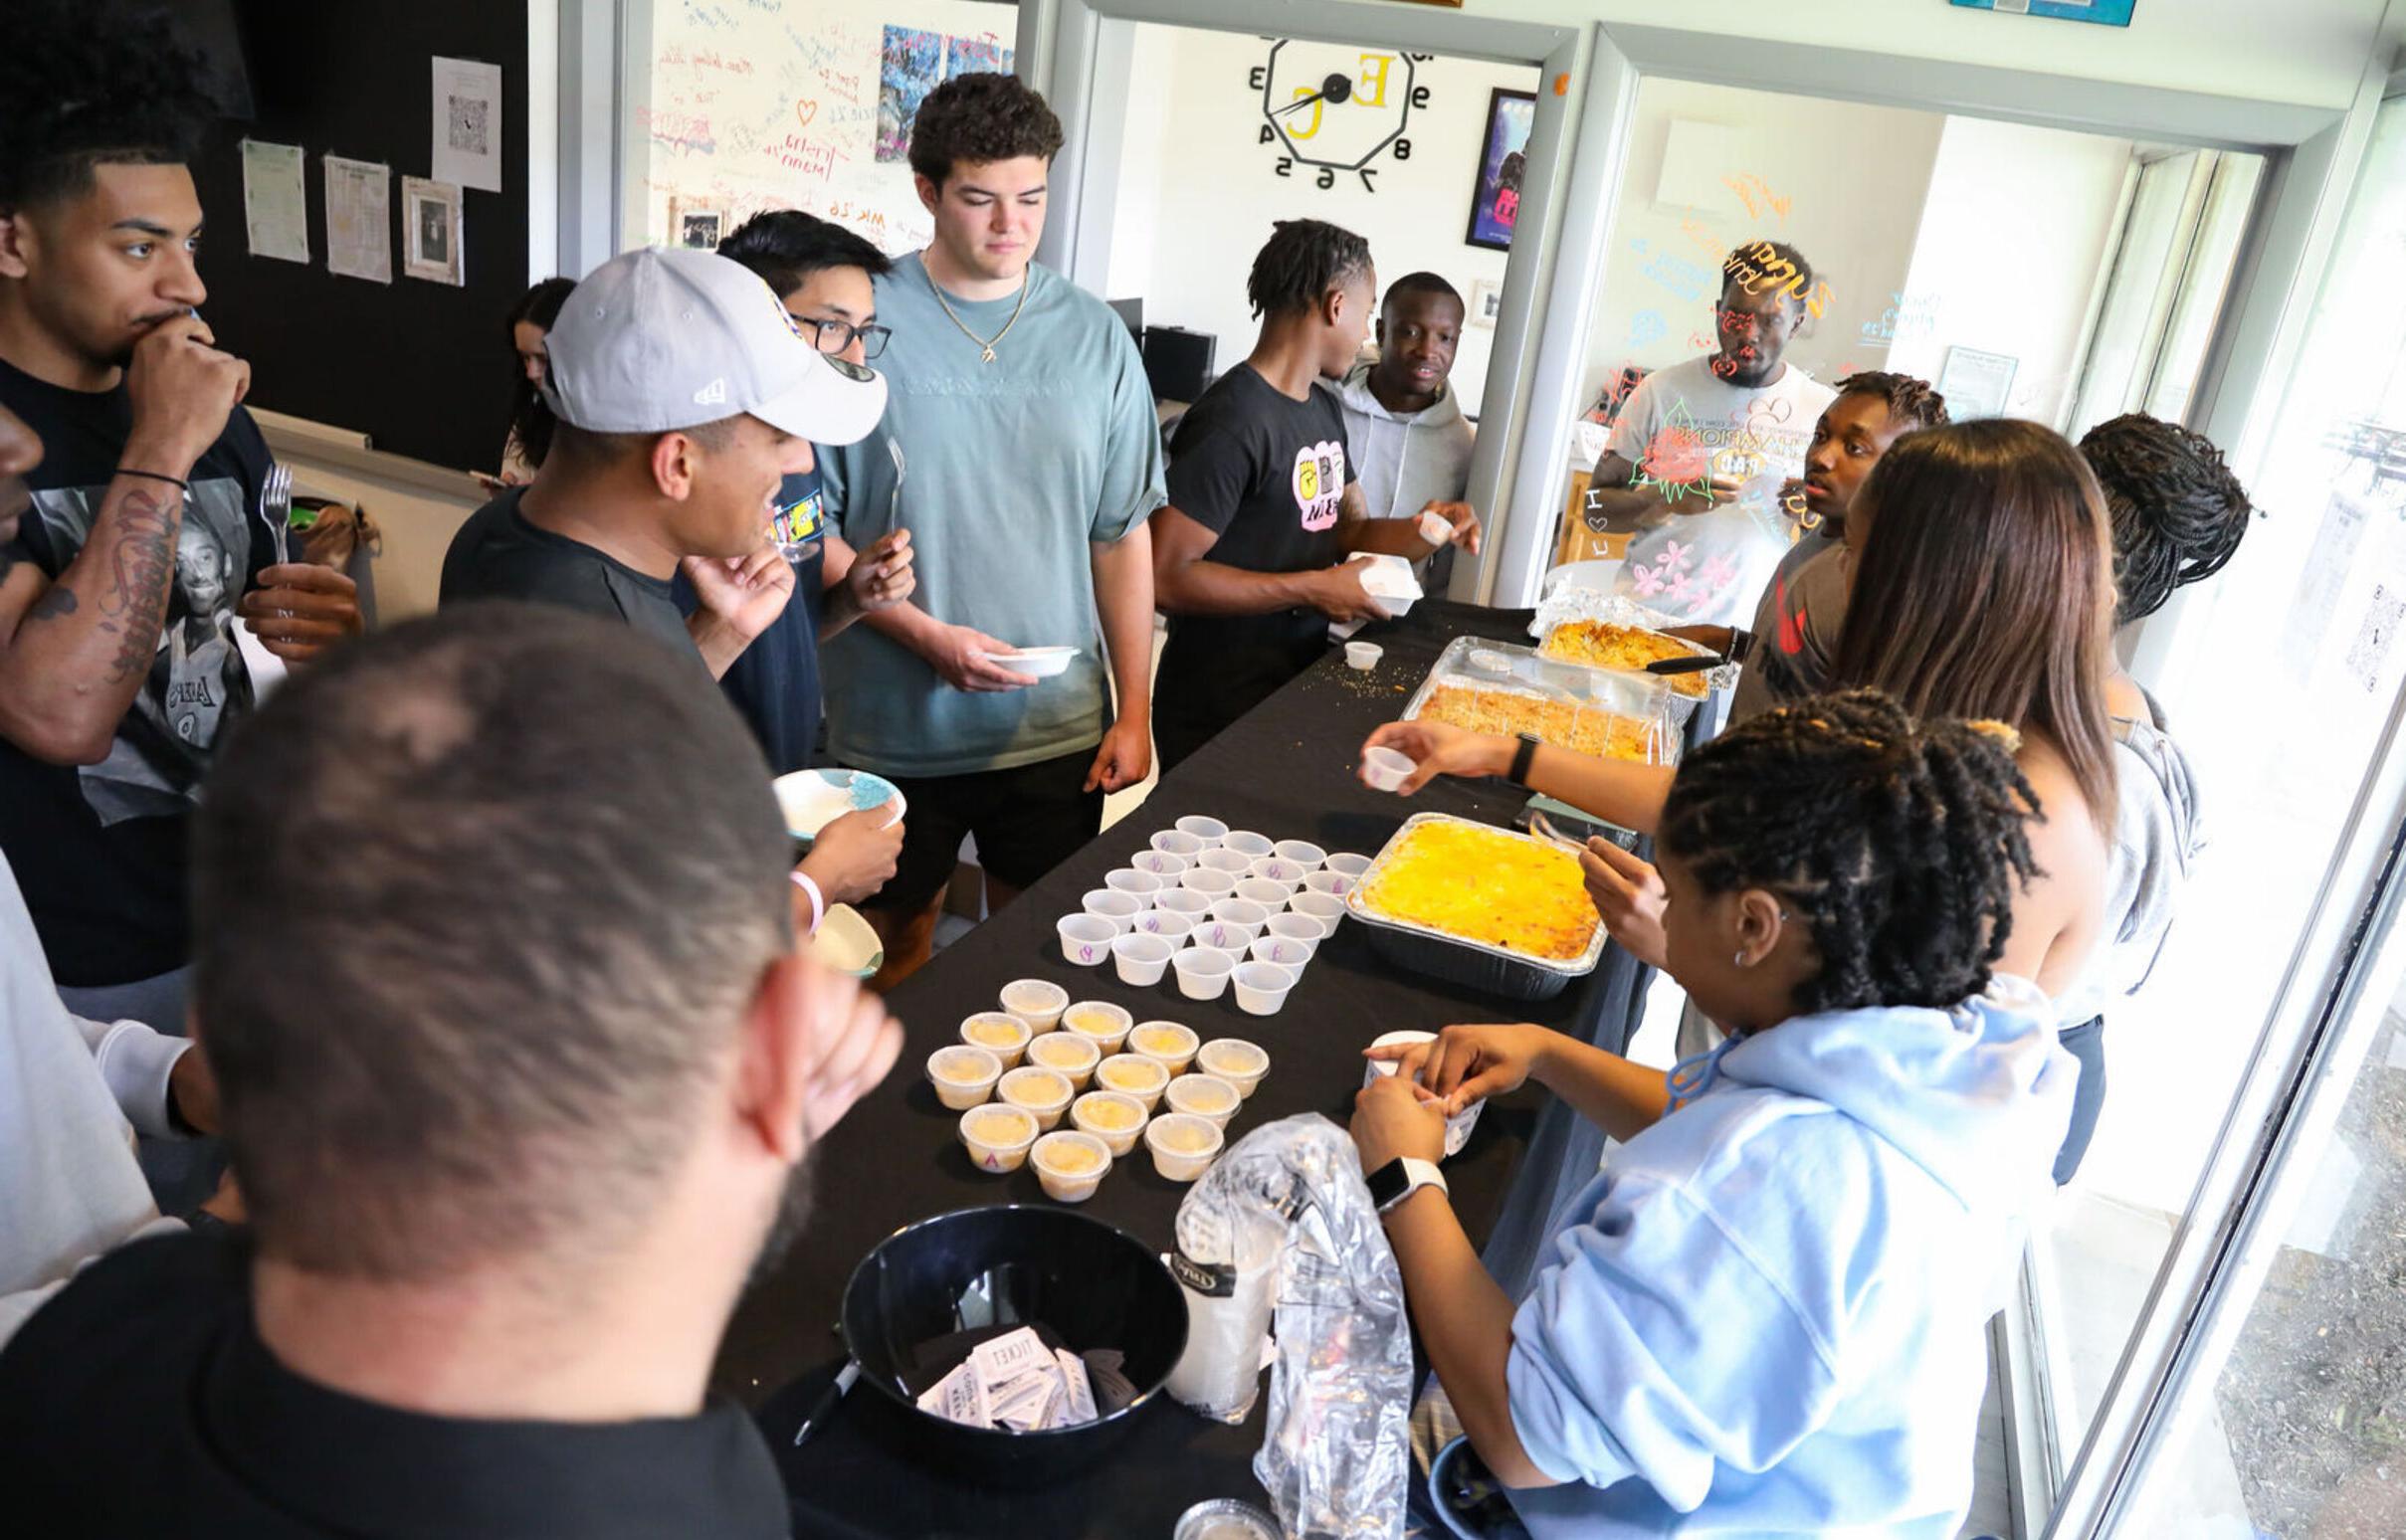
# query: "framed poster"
x,y
1486,299
429,226
1496,184
1975,384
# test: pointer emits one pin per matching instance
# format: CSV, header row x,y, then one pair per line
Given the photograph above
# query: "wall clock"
x,y
1339,110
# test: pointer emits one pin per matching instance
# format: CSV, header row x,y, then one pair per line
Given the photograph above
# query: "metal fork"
x,y
1543,828
276,507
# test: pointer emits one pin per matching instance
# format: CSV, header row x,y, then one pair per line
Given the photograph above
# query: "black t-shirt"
x,y
497,554
1265,472
141,1401
775,682
99,849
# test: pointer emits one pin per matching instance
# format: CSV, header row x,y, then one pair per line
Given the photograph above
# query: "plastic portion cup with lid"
x,y
1183,1145
1070,1165
1105,1023
1067,1054
999,1032
1038,1002
1174,1046
1241,1063
1042,1094
1115,1117
963,1076
1134,1075
997,1137
1206,1096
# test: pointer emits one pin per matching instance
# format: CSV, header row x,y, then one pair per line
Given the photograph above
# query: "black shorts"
x,y
1027,820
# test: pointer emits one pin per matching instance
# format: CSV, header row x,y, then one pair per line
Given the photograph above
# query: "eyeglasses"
x,y
833,336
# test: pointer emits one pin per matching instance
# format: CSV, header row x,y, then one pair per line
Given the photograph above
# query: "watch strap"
x,y
1413,1173
1528,752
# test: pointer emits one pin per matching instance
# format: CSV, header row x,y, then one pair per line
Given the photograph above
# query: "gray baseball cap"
x,y
666,338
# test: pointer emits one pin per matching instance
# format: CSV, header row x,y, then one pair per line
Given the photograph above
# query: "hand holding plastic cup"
x,y
1383,769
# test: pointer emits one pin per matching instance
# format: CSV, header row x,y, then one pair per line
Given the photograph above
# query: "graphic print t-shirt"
x,y
774,682
99,849
1684,423
1265,472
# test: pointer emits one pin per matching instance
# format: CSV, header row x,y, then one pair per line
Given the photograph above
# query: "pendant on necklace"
x,y
986,355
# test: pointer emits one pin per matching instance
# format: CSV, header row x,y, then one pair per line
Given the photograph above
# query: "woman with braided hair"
x,y
1767,1313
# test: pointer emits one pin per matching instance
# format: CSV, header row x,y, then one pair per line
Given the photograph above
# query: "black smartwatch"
x,y
1518,774
1400,1178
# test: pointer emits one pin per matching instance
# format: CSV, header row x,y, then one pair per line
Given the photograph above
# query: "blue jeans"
x,y
2085,1043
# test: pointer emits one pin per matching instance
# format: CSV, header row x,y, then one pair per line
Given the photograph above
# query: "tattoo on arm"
x,y
142,572
56,603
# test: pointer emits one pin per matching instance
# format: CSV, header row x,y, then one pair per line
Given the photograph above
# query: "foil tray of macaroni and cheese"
x,y
1588,628
1492,909
1495,687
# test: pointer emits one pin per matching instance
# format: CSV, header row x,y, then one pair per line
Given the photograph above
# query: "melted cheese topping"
x,y
1584,730
1602,646
1485,885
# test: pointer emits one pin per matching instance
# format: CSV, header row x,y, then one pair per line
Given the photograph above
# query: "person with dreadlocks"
x,y
146,503
1767,1313
1250,552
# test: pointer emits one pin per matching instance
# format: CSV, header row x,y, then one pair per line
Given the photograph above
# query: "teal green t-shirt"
x,y
1008,471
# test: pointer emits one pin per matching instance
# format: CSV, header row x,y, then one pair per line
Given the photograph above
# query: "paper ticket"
x,y
1011,1353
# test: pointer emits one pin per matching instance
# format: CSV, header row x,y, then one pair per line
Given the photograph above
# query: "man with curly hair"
x,y
148,454
1251,554
1020,449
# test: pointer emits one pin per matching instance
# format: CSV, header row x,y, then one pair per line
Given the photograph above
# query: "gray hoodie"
x,y
2156,835
1404,463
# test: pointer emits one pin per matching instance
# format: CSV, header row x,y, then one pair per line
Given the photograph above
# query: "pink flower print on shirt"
x,y
1718,573
1674,556
1646,582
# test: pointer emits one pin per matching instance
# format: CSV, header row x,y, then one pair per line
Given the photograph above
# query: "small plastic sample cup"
x,y
1042,1094
1235,863
1170,925
1179,843
1241,1063
1295,927
1206,1096
1141,957
1112,904
1347,865
1267,892
1085,940
1335,883
1327,908
1289,874
1245,842
1303,853
1204,827
1383,769
1183,1145
1038,1002
1134,882
999,1032
1261,988
1068,1054
1165,864
1286,952
1115,1117
1070,1165
1174,1046
1183,900
1208,881
1242,913
1364,655
963,1076
1134,1077
998,1137
1103,1024
1434,527
1203,972
1458,1127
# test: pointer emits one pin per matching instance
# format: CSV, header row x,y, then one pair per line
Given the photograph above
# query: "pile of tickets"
x,y
1016,1382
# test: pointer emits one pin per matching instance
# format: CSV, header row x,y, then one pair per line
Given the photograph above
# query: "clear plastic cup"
x,y
1303,853
1134,1077
1327,908
1115,1117
1173,1045
1134,882
1042,1094
1219,935
1458,1127
1068,1054
1203,973
1260,989
1112,904
1234,862
1283,950
1347,865
1183,1145
998,1137
1297,927
1101,1021
1141,957
1070,1165
999,1032
963,1076
1085,940
1386,770
1170,925
1287,873
1364,655
1165,864
1271,895
1206,1096
1243,914
1038,1002
1208,881
1183,900
1245,842
1206,829
1178,842
1241,1063
1335,883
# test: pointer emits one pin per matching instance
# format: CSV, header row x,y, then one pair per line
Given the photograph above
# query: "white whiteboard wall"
x,y
748,106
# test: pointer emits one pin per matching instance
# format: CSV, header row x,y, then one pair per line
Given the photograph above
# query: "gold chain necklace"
x,y
986,346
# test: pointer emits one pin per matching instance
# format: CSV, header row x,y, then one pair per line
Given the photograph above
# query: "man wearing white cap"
x,y
684,396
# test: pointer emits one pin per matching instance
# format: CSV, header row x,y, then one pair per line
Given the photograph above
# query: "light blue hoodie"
x,y
1771,1321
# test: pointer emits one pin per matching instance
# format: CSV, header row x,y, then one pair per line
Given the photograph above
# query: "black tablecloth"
x,y
1287,770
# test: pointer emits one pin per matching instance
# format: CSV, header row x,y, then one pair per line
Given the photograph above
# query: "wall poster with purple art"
x,y
910,65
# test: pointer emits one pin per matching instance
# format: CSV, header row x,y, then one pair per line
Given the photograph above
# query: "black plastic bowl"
x,y
1094,1285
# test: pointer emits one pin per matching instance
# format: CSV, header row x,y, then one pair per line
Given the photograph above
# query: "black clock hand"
x,y
1336,87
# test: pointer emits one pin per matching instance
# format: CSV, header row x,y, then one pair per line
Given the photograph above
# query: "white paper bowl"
x,y
963,1076
1241,1063
1038,1002
1037,663
1383,769
1261,988
1134,882
1141,957
1202,972
1169,1043
813,798
1183,1146
1204,827
1085,940
1090,1115
1303,853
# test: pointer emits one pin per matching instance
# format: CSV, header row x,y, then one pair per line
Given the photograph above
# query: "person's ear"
x,y
18,244
672,463
1379,333
1762,918
929,193
772,1067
